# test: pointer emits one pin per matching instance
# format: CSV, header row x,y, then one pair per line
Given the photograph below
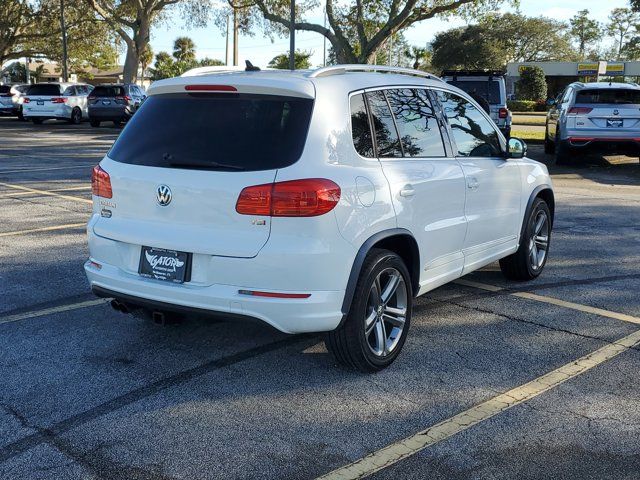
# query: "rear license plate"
x,y
614,123
40,102
161,264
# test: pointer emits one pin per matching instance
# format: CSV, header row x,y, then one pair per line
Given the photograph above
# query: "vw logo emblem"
x,y
163,195
616,112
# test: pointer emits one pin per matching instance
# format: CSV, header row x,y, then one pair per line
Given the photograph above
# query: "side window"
x,y
567,95
475,136
416,121
69,92
385,130
360,130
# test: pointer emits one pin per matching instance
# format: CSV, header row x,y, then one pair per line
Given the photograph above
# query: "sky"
x,y
210,42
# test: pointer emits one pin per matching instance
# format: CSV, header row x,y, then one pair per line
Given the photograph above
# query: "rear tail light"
x,y
101,183
25,100
579,110
91,97
126,98
59,100
295,198
503,113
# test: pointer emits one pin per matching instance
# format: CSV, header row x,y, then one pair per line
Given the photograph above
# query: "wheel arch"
x,y
399,241
545,193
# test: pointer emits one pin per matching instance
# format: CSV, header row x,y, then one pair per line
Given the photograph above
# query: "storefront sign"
x,y
615,69
588,68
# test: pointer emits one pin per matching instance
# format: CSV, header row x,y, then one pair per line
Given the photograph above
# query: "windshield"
x,y
215,131
608,96
44,89
489,90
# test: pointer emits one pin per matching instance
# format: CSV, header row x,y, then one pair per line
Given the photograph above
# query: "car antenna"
x,y
251,67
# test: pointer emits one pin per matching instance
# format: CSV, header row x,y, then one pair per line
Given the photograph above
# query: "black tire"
x,y
349,343
520,265
94,123
549,146
37,121
563,153
76,116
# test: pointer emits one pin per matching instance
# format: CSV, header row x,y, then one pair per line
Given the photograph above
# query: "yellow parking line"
x,y
43,229
66,189
45,192
48,311
554,301
398,451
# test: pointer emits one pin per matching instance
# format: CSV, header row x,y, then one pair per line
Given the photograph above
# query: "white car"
x,y
315,201
61,101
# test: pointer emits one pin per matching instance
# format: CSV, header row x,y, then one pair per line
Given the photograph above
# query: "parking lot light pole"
x,y
65,59
292,37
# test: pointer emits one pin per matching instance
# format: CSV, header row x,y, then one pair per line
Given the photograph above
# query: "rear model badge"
x,y
163,195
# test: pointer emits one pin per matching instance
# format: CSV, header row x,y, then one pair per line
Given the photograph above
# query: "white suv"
x,y
315,201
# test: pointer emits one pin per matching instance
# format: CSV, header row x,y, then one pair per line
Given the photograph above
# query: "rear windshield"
x,y
44,89
215,132
489,90
608,95
110,91
5,88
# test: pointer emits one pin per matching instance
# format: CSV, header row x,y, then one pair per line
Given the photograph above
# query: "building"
x,y
561,74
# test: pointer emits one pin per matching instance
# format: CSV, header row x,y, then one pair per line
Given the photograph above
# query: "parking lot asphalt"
x,y
496,380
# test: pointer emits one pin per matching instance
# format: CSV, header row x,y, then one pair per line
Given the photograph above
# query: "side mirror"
x,y
551,102
517,148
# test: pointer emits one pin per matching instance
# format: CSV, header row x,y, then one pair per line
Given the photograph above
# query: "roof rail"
x,y
342,69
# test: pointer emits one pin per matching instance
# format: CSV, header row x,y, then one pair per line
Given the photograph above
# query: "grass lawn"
x,y
528,135
526,119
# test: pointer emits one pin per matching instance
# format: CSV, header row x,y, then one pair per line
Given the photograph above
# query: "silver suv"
x,y
594,117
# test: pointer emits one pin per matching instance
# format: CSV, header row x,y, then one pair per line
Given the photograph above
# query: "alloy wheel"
x,y
539,241
386,312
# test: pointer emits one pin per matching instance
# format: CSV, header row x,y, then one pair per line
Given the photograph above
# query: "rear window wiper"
x,y
212,165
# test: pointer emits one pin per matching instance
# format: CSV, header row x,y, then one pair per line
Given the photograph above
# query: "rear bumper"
x,y
60,112
608,144
317,313
107,114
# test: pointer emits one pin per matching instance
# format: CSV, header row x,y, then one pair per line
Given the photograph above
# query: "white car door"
x,y
493,183
427,184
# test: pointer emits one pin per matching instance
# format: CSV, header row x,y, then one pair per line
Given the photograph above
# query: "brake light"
x,y
126,98
295,198
59,100
210,88
25,100
503,113
579,110
100,183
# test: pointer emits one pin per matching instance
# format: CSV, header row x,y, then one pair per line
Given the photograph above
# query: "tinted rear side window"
x,y
386,135
360,129
44,89
608,95
111,91
215,131
489,90
417,124
5,89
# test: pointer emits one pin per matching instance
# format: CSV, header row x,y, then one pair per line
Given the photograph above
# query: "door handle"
x,y
407,191
472,183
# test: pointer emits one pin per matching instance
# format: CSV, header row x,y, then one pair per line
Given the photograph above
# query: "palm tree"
x,y
146,57
184,49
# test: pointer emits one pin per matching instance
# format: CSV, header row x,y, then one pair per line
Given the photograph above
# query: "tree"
x,y
357,29
16,72
302,60
184,49
132,20
31,28
146,57
530,39
621,23
471,47
585,30
420,57
532,84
